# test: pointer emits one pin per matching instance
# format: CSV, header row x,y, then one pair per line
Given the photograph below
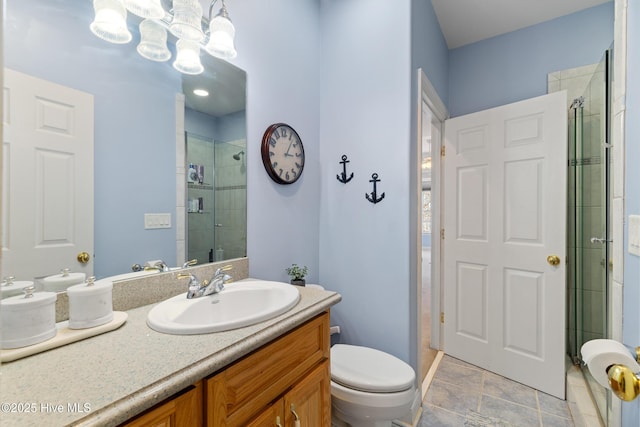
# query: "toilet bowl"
x,y
369,388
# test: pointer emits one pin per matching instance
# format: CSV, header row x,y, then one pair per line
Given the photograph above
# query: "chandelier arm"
x,y
213,2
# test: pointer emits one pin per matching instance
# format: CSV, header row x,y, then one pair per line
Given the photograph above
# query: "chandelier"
x,y
183,20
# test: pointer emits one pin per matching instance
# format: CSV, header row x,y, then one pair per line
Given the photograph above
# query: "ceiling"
x,y
225,83
468,21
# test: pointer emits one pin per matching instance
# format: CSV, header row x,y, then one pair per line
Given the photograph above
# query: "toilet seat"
x,y
369,370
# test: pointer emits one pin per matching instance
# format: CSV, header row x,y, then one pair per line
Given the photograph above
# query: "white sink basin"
x,y
239,304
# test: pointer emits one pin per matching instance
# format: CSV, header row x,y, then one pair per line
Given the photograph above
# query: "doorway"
x,y
431,116
431,134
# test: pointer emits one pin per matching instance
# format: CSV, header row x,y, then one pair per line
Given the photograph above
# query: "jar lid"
x,y
10,287
29,300
59,282
91,286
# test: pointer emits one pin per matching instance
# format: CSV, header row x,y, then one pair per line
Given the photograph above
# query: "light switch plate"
x,y
157,220
634,234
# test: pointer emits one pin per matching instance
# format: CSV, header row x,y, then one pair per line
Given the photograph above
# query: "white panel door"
x,y
504,214
47,177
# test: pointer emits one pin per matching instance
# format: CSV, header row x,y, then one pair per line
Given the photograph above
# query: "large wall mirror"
x,y
146,127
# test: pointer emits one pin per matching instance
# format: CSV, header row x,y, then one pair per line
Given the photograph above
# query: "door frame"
x,y
427,95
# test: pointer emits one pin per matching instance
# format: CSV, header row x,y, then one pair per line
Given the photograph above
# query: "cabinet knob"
x,y
278,424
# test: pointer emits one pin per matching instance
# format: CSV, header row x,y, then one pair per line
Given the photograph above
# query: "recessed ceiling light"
x,y
200,92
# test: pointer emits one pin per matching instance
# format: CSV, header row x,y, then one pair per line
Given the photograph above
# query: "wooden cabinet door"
x,y
249,385
309,401
181,411
273,416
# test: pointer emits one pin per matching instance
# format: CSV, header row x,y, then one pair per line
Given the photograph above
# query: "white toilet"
x,y
369,388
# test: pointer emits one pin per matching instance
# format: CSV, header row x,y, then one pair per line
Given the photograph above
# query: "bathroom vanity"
x,y
284,380
136,376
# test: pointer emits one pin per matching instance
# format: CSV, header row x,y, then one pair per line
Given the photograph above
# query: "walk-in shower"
x,y
588,228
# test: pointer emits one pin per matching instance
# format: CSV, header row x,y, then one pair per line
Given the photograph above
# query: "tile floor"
x,y
465,395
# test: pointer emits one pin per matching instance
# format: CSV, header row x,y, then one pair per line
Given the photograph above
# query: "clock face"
x,y
282,153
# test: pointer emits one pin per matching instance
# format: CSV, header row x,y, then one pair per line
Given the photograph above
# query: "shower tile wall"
x,y
231,198
588,81
201,225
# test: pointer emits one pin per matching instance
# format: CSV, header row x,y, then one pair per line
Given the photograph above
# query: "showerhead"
x,y
237,155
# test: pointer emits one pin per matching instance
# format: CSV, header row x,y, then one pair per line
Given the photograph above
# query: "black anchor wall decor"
x,y
373,198
343,175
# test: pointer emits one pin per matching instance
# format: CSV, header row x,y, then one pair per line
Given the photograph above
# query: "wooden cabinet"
x,y
293,368
183,409
308,402
281,382
273,416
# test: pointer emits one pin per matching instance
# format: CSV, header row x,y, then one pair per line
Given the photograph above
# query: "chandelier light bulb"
x,y
153,41
221,35
151,9
187,17
110,22
188,57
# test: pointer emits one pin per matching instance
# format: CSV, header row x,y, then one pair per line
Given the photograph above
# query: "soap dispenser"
x,y
219,254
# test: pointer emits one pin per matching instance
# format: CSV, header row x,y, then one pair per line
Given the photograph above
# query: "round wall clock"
x,y
282,153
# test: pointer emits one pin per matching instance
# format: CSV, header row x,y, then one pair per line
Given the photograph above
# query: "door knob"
x,y
553,260
83,257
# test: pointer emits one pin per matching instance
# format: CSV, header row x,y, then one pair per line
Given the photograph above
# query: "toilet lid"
x,y
370,370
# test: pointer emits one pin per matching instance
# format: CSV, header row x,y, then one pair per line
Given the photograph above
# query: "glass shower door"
x,y
588,220
201,221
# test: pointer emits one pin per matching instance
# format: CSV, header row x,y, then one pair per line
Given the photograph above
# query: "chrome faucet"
x,y
161,266
190,263
208,287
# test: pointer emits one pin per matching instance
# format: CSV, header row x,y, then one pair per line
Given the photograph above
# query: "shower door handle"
x,y
553,260
600,240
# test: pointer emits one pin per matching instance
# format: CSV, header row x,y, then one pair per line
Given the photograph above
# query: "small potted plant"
x,y
297,274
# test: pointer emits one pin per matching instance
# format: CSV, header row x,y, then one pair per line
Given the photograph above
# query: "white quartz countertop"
x,y
108,379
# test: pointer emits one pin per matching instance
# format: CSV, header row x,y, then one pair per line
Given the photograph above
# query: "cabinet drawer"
x,y
243,389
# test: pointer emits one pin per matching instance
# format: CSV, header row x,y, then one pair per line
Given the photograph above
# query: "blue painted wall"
x,y
428,48
365,108
631,313
283,65
232,127
200,124
132,157
514,66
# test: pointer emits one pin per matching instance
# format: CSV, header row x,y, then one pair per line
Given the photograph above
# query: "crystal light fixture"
x,y
221,34
187,15
145,8
153,41
110,21
188,57
184,21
